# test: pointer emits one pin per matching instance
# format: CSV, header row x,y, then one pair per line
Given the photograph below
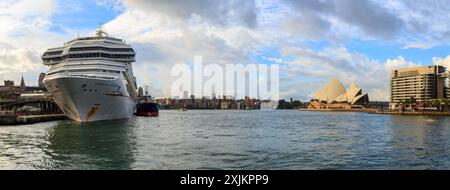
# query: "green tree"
x,y
436,103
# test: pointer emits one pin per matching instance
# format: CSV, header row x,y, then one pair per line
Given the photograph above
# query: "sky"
x,y
312,40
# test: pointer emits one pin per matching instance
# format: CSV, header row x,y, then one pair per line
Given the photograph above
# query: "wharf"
x,y
29,119
435,113
379,111
337,110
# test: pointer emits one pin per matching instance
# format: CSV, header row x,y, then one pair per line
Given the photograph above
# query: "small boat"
x,y
147,109
183,109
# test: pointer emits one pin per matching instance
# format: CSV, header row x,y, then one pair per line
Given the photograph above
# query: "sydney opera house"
x,y
334,96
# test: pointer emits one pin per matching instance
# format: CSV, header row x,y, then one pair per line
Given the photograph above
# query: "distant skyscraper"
x,y
213,95
185,95
40,80
140,92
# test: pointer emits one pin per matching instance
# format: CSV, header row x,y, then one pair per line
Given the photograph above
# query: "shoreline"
x,y
411,113
378,111
336,110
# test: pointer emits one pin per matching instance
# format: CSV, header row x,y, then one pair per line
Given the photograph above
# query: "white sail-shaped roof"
x,y
334,92
341,98
331,91
321,94
353,91
355,99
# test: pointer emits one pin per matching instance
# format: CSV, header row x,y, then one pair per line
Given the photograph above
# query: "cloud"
x,y
24,34
442,61
372,18
274,59
367,16
161,43
426,23
307,26
116,5
316,67
400,62
213,12
165,33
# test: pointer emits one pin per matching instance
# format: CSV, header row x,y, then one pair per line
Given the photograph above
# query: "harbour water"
x,y
215,139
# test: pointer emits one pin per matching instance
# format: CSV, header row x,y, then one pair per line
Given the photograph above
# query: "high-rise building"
x,y
213,95
185,95
40,80
422,83
140,92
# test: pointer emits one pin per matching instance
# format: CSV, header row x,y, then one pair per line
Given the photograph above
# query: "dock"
x,y
29,119
431,113
337,110
379,111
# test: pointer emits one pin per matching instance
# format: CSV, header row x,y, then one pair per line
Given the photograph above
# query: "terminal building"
x,y
422,83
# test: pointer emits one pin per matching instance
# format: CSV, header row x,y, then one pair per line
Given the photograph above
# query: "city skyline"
x,y
352,40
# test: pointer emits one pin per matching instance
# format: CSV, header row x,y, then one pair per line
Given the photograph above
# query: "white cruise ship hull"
x,y
89,99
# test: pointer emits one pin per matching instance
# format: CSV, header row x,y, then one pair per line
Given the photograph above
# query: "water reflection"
x,y
420,142
99,145
207,139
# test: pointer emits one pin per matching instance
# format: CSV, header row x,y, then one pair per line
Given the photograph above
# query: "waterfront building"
x,y
421,84
334,96
9,93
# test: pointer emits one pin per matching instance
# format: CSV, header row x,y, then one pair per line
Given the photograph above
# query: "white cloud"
x,y
400,62
442,61
112,4
24,35
274,59
161,43
165,33
317,67
213,12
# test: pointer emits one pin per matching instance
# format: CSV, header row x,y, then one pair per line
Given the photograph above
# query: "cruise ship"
x,y
91,78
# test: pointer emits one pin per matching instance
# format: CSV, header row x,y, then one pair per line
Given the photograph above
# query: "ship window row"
x,y
89,76
53,53
52,59
105,55
53,67
84,70
101,48
89,55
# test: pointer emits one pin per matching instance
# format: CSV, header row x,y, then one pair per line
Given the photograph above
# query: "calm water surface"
x,y
217,139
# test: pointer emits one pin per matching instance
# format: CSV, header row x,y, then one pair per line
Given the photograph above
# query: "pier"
x,y
29,108
381,111
432,113
338,110
29,119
